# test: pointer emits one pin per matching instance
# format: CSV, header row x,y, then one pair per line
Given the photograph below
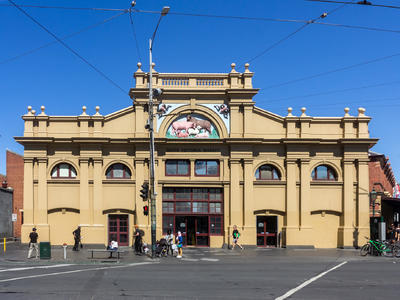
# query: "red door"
x,y
267,228
118,229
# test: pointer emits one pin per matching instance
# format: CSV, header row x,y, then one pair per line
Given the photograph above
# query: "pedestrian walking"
x,y
77,238
138,240
33,244
236,236
170,241
179,241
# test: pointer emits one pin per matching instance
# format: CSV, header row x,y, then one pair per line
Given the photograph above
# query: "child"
x,y
179,241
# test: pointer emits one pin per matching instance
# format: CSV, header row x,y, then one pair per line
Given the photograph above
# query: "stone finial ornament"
x,y
233,65
42,108
246,68
361,112
303,112
289,110
33,112
84,111
346,112
29,113
152,66
139,65
97,111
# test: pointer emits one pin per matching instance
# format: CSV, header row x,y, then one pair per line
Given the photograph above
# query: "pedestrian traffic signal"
x,y
144,192
146,210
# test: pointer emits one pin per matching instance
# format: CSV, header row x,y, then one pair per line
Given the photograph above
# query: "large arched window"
x,y
63,170
324,172
267,172
118,171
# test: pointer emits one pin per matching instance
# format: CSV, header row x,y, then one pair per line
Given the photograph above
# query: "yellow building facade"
x,y
292,180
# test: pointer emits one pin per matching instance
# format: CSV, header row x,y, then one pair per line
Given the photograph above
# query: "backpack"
x,y
141,233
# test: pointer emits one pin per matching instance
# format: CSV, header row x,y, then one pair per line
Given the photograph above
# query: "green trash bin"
x,y
45,250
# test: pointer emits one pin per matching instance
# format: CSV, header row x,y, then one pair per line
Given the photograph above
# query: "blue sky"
x,y
57,79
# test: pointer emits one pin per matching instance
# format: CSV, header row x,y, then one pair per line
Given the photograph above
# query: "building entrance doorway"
x,y
267,231
118,229
194,230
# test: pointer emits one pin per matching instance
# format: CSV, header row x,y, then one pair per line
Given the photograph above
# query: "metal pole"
x,y
152,180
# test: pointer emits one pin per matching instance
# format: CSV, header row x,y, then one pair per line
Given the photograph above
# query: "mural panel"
x,y
192,126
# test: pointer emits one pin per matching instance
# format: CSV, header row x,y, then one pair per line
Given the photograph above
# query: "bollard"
x,y
65,250
5,245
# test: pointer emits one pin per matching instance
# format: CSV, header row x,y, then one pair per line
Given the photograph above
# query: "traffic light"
x,y
144,192
146,210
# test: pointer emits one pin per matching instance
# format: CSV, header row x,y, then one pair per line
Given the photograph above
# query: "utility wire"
x,y
215,16
332,71
69,8
134,34
63,38
334,91
366,3
69,48
324,15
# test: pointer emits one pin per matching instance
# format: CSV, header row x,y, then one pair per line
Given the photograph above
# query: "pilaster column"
x,y
291,227
363,200
235,195
236,130
84,201
305,215
141,220
139,117
347,228
28,200
227,223
98,191
249,221
42,223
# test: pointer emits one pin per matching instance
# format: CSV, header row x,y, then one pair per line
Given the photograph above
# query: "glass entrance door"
x,y
194,230
267,229
118,229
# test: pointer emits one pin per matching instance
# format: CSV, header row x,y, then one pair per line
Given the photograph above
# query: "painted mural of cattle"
x,y
204,124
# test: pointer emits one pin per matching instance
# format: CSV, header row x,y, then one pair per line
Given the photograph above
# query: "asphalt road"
x,y
209,274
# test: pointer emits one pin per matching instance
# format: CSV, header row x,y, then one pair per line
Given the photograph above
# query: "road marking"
x,y
74,271
190,259
210,259
37,267
292,291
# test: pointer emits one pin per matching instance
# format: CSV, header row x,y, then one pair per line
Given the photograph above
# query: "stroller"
x,y
161,248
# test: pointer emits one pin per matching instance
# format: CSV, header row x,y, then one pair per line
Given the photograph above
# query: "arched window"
x,y
63,170
267,172
323,172
118,171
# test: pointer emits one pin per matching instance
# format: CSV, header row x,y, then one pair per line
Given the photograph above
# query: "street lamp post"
x,y
164,12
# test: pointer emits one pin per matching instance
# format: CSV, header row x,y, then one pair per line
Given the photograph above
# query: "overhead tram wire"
x,y
331,71
360,3
68,8
134,33
322,16
69,48
334,91
63,38
218,16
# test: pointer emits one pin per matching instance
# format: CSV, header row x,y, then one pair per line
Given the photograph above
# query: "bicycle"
x,y
382,248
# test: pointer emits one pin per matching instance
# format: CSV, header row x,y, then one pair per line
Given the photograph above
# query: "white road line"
x,y
190,259
37,267
292,291
210,259
74,271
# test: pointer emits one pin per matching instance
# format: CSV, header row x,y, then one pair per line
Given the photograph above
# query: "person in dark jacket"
x,y
138,240
77,238
33,244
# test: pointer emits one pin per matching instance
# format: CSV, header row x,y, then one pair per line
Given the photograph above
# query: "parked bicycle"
x,y
381,248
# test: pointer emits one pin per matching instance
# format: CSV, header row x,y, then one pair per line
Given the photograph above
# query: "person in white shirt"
x,y
170,241
113,246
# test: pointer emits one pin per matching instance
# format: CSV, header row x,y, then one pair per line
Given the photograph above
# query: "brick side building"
x,y
15,180
381,176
